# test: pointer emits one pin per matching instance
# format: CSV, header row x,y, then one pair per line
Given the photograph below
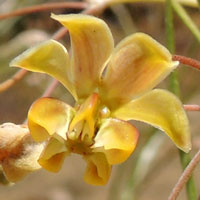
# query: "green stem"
x,y
175,88
199,2
190,185
186,19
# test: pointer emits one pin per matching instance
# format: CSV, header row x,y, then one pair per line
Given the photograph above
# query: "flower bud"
x,y
18,152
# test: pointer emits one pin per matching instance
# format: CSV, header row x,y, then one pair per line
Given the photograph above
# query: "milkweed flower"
x,y
18,151
110,86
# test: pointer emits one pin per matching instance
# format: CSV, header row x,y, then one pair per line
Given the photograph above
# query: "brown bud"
x,y
18,152
11,137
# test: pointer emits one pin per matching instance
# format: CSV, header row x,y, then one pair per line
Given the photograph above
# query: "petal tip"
x,y
76,18
14,62
53,16
175,64
186,148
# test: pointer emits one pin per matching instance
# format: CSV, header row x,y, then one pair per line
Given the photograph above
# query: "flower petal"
x,y
117,139
163,110
92,44
98,170
49,57
53,155
137,65
49,116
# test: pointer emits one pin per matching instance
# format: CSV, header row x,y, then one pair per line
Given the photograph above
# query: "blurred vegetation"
x,y
154,168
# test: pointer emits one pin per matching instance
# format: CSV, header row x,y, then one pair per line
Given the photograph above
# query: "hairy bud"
x,y
18,152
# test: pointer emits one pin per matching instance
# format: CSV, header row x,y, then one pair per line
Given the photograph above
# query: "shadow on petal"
x,y
98,170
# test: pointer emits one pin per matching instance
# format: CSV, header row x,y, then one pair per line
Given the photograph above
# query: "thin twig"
x,y
50,88
185,176
44,7
60,33
187,61
191,107
11,81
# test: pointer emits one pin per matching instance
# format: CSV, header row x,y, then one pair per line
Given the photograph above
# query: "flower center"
x,y
84,125
78,147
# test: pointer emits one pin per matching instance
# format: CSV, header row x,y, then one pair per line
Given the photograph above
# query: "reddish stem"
x,y
185,176
187,61
44,7
60,33
192,107
50,88
11,81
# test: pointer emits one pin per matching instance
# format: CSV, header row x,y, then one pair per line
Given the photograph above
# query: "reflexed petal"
x,y
137,65
163,110
49,116
117,139
48,57
53,155
98,170
92,44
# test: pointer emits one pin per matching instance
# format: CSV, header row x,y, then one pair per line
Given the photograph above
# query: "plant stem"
x,y
199,3
44,7
50,88
185,176
174,87
187,61
11,81
191,107
190,184
186,19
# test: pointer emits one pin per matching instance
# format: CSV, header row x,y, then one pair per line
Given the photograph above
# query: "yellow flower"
x,y
18,152
110,86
